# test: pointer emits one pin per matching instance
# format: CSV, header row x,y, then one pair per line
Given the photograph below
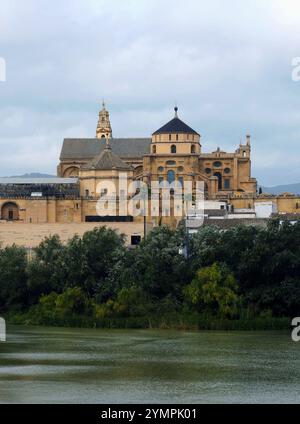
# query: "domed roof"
x,y
176,125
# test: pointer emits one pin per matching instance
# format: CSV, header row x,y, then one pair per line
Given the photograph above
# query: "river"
x,y
50,365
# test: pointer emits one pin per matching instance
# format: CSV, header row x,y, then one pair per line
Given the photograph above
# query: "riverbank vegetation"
x,y
243,278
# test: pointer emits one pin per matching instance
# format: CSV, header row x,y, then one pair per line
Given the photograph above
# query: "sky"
x,y
228,66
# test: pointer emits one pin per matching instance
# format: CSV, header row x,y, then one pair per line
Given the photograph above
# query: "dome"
x,y
175,126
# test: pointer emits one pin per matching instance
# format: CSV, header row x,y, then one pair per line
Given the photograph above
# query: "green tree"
x,y
92,260
131,301
72,302
47,272
13,277
214,289
156,265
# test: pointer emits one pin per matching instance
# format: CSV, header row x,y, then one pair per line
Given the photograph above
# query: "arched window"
x,y
71,172
219,176
171,176
103,136
154,149
193,149
173,149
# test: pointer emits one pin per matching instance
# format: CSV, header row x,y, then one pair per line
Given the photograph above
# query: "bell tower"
x,y
103,127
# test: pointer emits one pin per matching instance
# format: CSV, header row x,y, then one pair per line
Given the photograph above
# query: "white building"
x,y
265,209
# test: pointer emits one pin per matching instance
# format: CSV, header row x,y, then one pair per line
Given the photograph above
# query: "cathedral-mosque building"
x,y
172,153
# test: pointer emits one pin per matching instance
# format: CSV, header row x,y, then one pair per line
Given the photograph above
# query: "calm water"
x,y
49,365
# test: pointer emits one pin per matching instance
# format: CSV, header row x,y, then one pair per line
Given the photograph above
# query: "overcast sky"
x,y
226,63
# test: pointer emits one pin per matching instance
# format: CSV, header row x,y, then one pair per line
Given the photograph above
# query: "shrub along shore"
x,y
246,278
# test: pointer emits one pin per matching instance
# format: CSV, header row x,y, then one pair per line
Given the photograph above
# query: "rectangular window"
x,y
135,240
226,184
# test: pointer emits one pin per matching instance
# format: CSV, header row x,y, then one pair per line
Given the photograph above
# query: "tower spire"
x,y
103,128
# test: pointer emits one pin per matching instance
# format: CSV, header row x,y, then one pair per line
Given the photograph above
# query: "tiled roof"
x,y
229,223
215,212
177,126
107,160
88,148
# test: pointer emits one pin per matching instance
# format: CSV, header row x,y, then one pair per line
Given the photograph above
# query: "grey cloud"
x,y
228,65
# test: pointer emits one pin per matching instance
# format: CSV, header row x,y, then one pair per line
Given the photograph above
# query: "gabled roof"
x,y
88,148
107,160
176,125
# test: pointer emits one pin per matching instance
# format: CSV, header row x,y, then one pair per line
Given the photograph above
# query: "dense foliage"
x,y
245,272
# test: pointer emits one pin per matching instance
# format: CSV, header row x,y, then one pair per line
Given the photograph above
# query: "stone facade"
x,y
172,153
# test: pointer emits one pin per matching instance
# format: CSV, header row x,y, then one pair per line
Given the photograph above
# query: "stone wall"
x,y
30,235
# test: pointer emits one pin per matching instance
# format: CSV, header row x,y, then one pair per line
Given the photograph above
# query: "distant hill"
x,y
33,175
286,188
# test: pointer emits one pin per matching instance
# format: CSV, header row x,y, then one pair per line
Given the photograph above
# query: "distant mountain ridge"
x,y
33,175
285,188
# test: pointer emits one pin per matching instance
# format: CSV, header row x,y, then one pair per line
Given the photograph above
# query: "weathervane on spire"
x,y
176,110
